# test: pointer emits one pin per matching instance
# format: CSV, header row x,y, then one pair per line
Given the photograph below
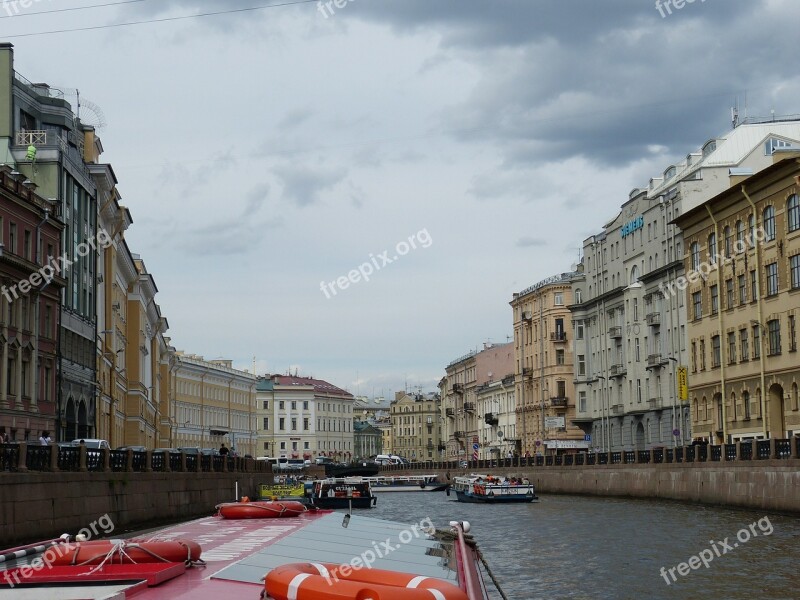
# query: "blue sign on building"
x,y
632,226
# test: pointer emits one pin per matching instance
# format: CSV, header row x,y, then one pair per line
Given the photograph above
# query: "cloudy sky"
x,y
265,151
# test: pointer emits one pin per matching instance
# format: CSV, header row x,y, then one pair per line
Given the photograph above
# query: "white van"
x,y
388,459
92,443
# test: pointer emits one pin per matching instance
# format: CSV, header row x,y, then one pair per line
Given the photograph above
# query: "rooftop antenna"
x,y
735,114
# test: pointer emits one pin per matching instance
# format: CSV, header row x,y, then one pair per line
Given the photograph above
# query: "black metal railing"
x,y
746,450
118,460
174,461
670,455
690,453
569,460
643,456
602,458
629,457
763,449
580,458
191,462
157,461
69,458
658,455
9,457
38,458
679,454
730,452
716,453
702,453
95,459
140,461
783,448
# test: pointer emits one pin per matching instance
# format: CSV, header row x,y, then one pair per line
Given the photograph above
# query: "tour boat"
x,y
493,490
341,493
317,555
405,483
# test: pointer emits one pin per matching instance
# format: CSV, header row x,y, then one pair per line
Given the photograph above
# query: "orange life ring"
x,y
317,581
126,552
261,510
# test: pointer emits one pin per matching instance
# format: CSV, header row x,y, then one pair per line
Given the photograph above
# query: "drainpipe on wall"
x,y
721,321
760,317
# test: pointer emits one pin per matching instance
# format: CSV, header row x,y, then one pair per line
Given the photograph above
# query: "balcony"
x,y
615,332
469,407
442,446
655,361
558,336
450,412
559,402
458,388
654,319
617,409
490,419
656,403
429,446
527,372
617,370
458,435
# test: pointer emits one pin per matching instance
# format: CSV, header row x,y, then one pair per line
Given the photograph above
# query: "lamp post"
x,y
527,317
674,403
603,411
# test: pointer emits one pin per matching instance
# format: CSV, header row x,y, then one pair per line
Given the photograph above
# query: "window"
x,y
305,404
283,445
266,404
792,335
266,423
694,357
695,250
712,248
772,279
581,365
282,424
639,391
579,327
793,213
756,341
305,424
715,351
732,347
26,249
280,407
751,225
728,241
769,224
12,238
294,405
745,344
794,269
740,247
714,299
729,294
702,355
742,289
559,299
697,302
638,358
753,286
582,401
746,403
774,336
578,296
559,356
635,309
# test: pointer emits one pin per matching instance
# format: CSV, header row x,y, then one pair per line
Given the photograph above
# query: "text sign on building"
x,y
554,422
683,383
632,226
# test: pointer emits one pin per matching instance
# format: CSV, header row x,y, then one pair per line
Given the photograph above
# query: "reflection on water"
x,y
606,548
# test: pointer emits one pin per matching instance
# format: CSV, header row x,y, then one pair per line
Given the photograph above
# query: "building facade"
x,y
214,404
634,333
367,440
303,417
416,426
544,371
497,433
29,307
743,289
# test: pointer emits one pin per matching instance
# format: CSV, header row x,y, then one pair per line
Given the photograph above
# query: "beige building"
x,y
544,371
416,427
742,289
213,404
303,417
497,431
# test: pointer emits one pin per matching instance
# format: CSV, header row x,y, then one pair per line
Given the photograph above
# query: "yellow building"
x,y
416,426
545,388
742,287
212,404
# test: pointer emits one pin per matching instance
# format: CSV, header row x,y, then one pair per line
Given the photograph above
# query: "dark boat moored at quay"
x,y
362,469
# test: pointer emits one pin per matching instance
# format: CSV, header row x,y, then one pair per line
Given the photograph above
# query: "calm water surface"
x,y
603,548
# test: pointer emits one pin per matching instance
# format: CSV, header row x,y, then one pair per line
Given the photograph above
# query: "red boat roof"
x,y
239,554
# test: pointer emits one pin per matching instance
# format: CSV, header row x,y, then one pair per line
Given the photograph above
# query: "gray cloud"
x,y
303,185
530,242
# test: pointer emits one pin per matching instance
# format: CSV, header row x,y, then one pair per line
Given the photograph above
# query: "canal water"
x,y
570,547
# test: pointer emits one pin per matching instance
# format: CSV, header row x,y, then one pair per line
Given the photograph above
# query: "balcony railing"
x,y
559,402
469,406
458,434
527,372
617,409
491,419
654,319
656,402
617,370
655,360
450,412
558,336
458,388
615,332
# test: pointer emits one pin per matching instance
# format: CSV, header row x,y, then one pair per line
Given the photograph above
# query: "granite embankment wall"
x,y
41,505
768,485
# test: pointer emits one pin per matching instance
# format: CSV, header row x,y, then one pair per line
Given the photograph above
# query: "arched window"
x,y
712,248
769,223
793,212
733,405
740,247
634,274
728,241
746,403
751,225
695,249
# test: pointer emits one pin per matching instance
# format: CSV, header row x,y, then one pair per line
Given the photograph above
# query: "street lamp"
x,y
527,317
603,408
674,403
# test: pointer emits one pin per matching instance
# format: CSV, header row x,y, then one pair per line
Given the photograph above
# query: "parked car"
x,y
170,450
323,460
93,444
191,450
134,448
